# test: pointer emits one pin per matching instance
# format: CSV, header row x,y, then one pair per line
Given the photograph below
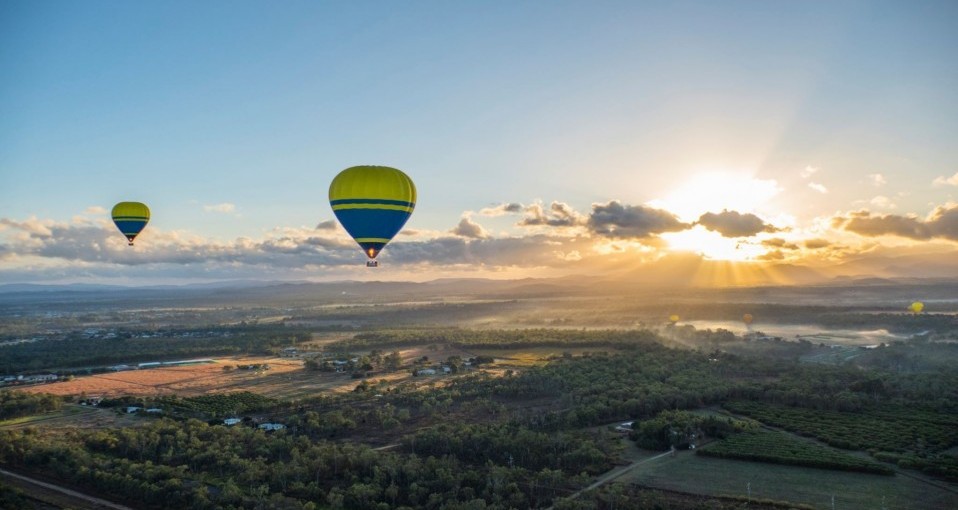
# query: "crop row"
x,y
780,448
891,429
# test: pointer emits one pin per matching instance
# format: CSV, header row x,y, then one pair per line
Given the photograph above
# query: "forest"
x,y
524,439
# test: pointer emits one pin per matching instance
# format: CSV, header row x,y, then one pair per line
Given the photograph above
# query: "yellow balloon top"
x,y
917,307
372,182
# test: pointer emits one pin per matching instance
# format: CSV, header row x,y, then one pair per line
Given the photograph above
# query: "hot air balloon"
x,y
372,203
747,319
916,307
673,318
130,218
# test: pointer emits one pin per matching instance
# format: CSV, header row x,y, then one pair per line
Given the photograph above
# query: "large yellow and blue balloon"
x,y
130,218
372,203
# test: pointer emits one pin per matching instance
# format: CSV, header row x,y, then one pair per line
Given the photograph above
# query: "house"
x,y
271,426
624,428
120,368
40,378
446,369
426,371
132,409
229,422
289,352
154,410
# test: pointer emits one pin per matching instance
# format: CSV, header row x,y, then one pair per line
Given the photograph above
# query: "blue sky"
x,y
230,118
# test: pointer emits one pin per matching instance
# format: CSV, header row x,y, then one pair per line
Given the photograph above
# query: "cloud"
x,y
559,214
883,202
941,223
225,208
808,172
818,187
772,255
326,225
95,209
614,219
946,181
31,226
470,229
778,242
815,244
735,224
502,209
877,179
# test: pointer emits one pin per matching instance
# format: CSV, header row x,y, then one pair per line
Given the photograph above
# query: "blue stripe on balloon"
x,y
130,227
383,223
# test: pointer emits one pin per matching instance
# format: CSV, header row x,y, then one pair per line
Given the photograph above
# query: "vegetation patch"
x,y
781,448
889,428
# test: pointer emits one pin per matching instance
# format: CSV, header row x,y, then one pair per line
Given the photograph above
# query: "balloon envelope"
x,y
917,307
372,203
747,318
130,218
673,318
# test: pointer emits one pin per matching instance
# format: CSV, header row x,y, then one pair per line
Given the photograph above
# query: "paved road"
x,y
72,493
615,473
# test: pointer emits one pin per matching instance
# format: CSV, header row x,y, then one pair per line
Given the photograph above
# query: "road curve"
x,y
615,473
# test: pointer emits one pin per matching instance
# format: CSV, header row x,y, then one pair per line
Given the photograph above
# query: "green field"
x,y
890,428
711,476
782,448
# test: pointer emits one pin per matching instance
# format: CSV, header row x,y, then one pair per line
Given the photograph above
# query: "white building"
x,y
271,426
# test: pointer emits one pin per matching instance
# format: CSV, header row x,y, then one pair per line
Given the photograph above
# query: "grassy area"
x,y
26,420
710,476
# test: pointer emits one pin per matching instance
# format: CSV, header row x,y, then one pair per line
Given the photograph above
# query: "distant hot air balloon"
x,y
747,319
130,218
673,318
916,307
372,203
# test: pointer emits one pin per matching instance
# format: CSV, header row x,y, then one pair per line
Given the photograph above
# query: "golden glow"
x,y
712,245
714,191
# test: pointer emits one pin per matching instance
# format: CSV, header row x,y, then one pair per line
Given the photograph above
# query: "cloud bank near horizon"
x,y
554,236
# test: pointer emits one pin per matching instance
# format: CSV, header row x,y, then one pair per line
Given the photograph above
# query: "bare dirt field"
x,y
183,380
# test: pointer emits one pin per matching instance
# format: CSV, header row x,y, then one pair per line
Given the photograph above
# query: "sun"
x,y
712,245
713,191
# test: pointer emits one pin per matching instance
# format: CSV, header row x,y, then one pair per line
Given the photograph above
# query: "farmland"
x,y
893,429
709,475
781,448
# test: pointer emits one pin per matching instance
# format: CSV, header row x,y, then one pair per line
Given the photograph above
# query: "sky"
x,y
545,138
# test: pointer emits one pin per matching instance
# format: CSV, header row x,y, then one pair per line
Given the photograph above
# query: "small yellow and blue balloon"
x,y
372,203
131,218
916,307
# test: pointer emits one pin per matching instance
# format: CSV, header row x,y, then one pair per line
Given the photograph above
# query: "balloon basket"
x,y
372,263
